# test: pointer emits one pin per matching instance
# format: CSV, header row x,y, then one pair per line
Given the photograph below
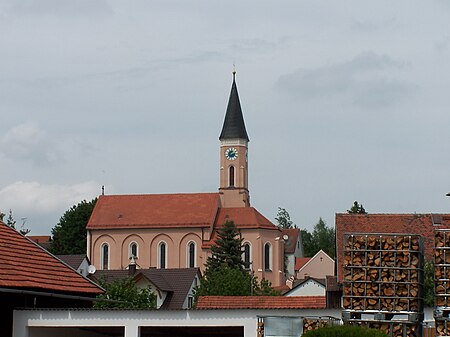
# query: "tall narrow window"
x,y
133,250
246,255
162,255
231,176
191,254
105,256
267,256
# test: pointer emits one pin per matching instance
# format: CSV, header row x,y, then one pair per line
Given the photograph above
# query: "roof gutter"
x,y
47,294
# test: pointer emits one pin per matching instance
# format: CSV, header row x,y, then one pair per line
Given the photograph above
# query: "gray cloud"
x,y
366,80
61,8
28,142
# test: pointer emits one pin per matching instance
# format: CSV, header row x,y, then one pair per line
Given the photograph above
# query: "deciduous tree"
x,y
127,295
283,219
69,235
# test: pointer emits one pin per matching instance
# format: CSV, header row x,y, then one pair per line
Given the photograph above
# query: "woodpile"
x,y
394,329
313,324
383,273
441,328
442,267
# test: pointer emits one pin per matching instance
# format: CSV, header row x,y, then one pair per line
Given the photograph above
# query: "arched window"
x,y
162,255
191,254
246,255
104,253
267,256
231,176
133,250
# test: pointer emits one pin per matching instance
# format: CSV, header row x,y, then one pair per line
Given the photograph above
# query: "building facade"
x,y
177,230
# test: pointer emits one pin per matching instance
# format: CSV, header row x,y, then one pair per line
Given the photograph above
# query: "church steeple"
x,y
234,140
233,125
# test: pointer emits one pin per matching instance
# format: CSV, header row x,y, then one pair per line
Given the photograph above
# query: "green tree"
x,y
356,209
69,235
225,274
428,284
322,237
127,295
283,219
345,331
227,250
309,247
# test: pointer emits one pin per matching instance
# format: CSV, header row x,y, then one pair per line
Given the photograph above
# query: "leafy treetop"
x,y
322,237
127,295
69,235
283,219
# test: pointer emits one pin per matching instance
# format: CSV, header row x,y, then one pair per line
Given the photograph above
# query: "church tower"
x,y
234,140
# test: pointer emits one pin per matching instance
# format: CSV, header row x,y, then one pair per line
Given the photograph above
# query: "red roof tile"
x,y
243,217
291,243
300,262
161,210
24,264
422,224
261,302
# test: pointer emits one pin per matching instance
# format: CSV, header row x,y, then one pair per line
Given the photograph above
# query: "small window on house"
x,y
190,302
231,176
105,256
191,254
246,255
133,250
162,255
268,256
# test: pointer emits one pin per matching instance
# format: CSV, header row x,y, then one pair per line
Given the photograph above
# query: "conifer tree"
x,y
227,250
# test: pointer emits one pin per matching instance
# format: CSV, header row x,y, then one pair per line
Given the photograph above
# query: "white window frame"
x,y
159,255
102,257
130,251
188,254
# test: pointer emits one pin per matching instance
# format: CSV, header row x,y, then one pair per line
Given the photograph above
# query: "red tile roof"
x,y
422,224
244,217
261,302
25,265
300,262
161,210
291,243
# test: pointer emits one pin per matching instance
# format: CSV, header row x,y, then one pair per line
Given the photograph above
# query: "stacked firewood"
x,y
383,273
313,324
394,329
442,267
441,327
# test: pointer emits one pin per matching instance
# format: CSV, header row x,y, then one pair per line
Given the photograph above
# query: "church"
x,y
177,230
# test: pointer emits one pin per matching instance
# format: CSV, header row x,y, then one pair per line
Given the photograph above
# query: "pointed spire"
x,y
233,125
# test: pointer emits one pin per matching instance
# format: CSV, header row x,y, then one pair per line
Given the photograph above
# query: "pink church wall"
x,y
177,240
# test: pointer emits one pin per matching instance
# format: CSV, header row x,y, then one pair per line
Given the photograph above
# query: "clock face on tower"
x,y
231,153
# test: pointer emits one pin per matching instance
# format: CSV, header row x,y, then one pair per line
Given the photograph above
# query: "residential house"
x,y
30,277
319,266
177,230
79,262
174,288
293,249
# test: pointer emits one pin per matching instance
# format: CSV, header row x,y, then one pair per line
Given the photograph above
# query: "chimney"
x,y
290,282
132,266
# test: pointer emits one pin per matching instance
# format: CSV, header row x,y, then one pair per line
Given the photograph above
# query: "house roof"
x,y
300,262
298,282
73,260
175,281
422,224
45,241
26,265
243,218
261,302
290,245
161,210
233,125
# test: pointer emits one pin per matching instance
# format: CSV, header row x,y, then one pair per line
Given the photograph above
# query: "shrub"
x,y
345,331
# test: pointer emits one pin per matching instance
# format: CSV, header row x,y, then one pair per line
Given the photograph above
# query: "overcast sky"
x,y
343,101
